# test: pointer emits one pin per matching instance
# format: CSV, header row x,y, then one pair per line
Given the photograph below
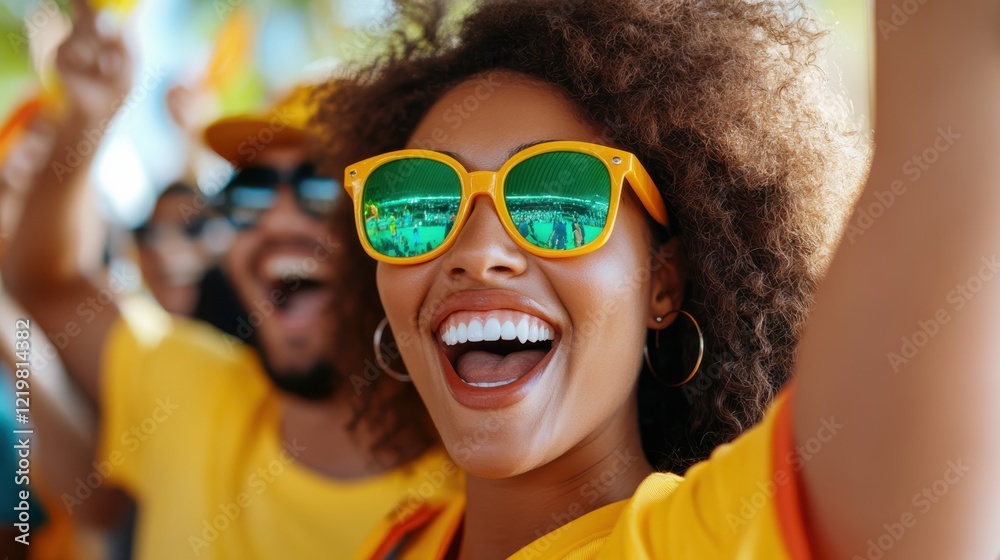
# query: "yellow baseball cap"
x,y
239,138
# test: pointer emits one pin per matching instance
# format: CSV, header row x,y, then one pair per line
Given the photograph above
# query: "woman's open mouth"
x,y
490,357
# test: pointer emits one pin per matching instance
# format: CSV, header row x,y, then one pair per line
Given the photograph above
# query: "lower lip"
x,y
486,398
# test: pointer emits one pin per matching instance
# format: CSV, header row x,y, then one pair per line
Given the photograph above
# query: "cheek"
x,y
236,262
608,293
312,228
607,304
147,259
402,290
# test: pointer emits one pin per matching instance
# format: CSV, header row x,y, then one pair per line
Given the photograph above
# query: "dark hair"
x,y
386,408
724,103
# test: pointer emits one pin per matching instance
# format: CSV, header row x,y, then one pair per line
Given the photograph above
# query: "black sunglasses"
x,y
152,234
252,191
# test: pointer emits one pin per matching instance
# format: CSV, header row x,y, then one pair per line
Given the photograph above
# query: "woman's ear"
x,y
669,275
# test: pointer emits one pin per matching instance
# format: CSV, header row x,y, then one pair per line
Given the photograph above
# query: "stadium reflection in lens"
x,y
559,200
410,205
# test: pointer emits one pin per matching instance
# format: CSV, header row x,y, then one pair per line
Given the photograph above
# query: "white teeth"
x,y
491,331
522,330
526,329
285,266
508,331
491,383
475,331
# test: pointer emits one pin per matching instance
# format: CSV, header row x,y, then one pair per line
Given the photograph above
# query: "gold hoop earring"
x,y
380,359
701,349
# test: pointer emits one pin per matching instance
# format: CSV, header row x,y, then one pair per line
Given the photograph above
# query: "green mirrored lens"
x,y
409,206
559,200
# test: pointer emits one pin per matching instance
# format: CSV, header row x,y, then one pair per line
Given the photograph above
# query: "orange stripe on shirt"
x,y
789,496
399,531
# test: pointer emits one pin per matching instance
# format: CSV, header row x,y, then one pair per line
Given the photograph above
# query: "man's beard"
x,y
316,383
219,306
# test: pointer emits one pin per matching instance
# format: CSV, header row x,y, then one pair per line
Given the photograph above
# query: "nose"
x,y
284,217
483,251
179,255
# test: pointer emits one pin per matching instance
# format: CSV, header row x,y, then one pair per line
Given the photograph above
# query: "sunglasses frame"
x,y
292,178
622,166
140,233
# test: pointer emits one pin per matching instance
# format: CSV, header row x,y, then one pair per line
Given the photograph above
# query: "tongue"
x,y
302,307
486,367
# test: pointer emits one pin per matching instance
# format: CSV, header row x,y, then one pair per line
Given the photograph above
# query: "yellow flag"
x,y
232,49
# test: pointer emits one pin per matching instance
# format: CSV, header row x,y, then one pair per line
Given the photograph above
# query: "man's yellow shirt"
x,y
190,428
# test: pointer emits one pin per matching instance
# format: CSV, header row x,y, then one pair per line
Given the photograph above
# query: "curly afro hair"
x,y
726,104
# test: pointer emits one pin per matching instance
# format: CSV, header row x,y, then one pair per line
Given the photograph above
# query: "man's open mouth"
x,y
494,348
297,291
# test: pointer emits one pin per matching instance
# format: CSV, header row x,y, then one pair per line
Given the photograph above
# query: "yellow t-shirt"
x,y
742,503
191,429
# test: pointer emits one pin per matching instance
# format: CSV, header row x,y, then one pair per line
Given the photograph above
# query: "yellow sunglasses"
x,y
555,199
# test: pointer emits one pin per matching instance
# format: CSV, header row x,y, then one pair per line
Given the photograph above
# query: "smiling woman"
x,y
697,145
749,205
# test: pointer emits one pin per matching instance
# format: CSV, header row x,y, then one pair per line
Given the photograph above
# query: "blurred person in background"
x,y
277,448
175,250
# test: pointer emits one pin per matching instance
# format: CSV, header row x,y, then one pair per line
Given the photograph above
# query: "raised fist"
x,y
95,67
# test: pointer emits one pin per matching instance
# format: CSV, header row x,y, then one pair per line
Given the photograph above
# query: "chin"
x,y
494,444
499,459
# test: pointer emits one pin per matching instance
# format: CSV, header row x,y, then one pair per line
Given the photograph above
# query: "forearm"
x,y
901,346
44,253
68,464
43,268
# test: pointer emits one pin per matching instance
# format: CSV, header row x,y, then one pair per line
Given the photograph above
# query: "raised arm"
x,y
42,268
901,356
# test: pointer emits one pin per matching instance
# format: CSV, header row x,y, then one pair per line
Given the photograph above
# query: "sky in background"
x,y
244,53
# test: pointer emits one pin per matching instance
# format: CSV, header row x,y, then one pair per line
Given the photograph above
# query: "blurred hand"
x,y
95,67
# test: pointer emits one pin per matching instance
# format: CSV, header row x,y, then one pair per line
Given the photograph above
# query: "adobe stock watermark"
x,y
249,148
461,111
121,279
913,169
426,490
711,372
92,137
131,440
923,501
256,484
261,310
372,371
591,493
957,299
766,490
434,480
597,316
901,14
44,13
